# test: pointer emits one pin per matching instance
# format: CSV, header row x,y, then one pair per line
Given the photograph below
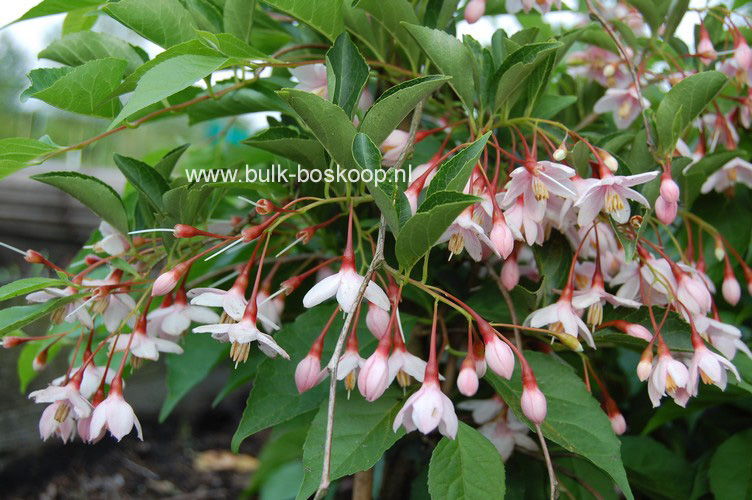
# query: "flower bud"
x,y
264,207
474,10
480,359
510,274
618,424
167,281
308,373
467,381
377,320
560,153
184,231
665,210
501,237
499,356
40,361
669,189
608,160
34,257
645,366
705,48
731,290
374,376
638,331
533,403
9,342
719,250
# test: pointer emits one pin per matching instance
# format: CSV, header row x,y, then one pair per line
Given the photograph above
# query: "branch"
x,y
632,71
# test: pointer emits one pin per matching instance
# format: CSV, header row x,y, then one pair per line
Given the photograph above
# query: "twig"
x,y
378,259
549,464
632,70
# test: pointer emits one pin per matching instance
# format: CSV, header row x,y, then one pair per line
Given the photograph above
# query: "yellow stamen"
x,y
456,243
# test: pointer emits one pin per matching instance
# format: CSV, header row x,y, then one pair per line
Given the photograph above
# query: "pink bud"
x,y
669,189
639,332
645,366
40,361
732,292
705,48
467,382
666,211
474,10
501,237
510,274
533,404
374,376
165,283
499,356
308,373
377,320
618,424
742,53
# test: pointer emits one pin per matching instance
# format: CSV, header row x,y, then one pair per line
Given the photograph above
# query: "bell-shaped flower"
x,y
506,433
49,424
393,146
733,171
725,337
427,409
523,224
241,335
466,234
112,242
623,103
710,367
232,302
116,415
535,182
668,376
176,318
561,316
91,378
483,410
611,193
312,78
142,345
72,311
377,320
403,365
594,298
68,396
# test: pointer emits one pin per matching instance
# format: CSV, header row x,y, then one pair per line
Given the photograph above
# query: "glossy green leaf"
x,y
28,285
147,181
730,472
230,45
395,104
166,165
184,371
79,20
467,467
574,419
165,22
362,434
324,16
424,229
347,74
13,318
511,77
238,18
252,98
95,194
683,103
78,48
390,14
453,174
83,89
451,57
290,143
51,7
18,152
653,469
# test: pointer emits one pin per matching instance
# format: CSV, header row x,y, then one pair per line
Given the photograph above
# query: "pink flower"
x,y
668,376
377,320
142,345
561,316
693,294
312,78
116,415
499,356
75,310
177,317
533,403
112,242
611,193
523,224
710,367
601,65
309,373
474,10
723,336
350,364
736,170
91,378
731,289
50,425
393,146
618,424
403,365
68,396
705,49
466,234
535,182
427,409
467,381
594,299
510,273
506,433
638,331
666,210
624,103
374,376
501,236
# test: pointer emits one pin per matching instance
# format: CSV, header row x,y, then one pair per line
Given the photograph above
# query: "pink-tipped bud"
x,y
499,356
645,366
374,376
377,321
501,237
669,189
618,424
184,231
560,153
638,331
705,48
731,289
474,10
308,373
167,281
467,381
510,274
533,403
92,259
264,207
480,359
742,52
666,211
608,160
34,257
719,250
9,342
40,361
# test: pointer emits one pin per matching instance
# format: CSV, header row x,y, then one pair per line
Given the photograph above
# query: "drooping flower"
x,y
466,234
623,103
710,367
536,181
49,425
112,242
393,146
705,49
506,433
311,78
72,311
115,415
611,193
668,376
561,316
176,318
142,345
736,170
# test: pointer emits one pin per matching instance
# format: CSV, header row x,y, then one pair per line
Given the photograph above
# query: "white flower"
x,y
668,376
243,333
624,103
345,285
91,378
427,409
143,346
611,192
561,314
116,415
736,170
232,301
81,313
465,234
49,424
535,182
723,336
68,396
312,78
404,365
710,367
177,317
112,242
483,410
506,433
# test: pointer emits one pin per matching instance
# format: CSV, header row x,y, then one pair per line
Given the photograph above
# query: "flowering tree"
x,y
591,186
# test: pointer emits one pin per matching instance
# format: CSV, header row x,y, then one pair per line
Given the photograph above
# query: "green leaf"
x,y
249,99
453,174
83,89
78,48
165,23
230,45
79,20
25,366
368,157
467,467
28,285
18,152
391,14
683,103
327,121
362,433
653,11
394,105
553,260
186,370
675,16
574,419
283,446
655,470
13,318
166,165
347,74
424,229
290,143
730,472
510,78
145,179
95,194
451,57
325,16
167,78
675,332
550,105
50,7
238,18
